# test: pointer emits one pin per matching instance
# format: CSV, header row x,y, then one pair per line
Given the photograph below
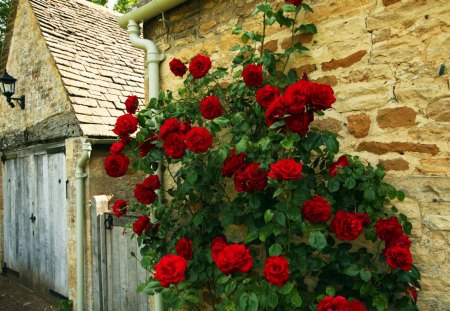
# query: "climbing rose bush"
x,y
259,212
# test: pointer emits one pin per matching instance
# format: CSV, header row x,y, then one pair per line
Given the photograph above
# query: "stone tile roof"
x,y
98,64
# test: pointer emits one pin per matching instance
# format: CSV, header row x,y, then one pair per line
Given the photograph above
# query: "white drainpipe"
x,y
80,177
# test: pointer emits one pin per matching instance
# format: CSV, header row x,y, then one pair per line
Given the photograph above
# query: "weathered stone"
x,y
328,124
437,222
396,50
396,117
329,80
344,62
440,110
398,147
301,38
358,125
424,189
433,131
434,166
308,68
361,96
389,2
395,164
271,45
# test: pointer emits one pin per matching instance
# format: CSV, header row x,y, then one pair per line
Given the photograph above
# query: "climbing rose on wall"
x,y
177,67
116,165
252,75
132,104
266,95
347,226
234,258
141,225
251,179
117,147
233,163
210,108
184,248
170,270
294,2
276,270
120,208
286,169
198,139
199,66
125,125
334,167
388,229
217,245
317,210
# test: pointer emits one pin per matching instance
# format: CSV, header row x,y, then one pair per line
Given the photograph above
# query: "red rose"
x,y
294,2
266,95
147,145
357,305
185,127
184,248
341,162
286,169
275,111
299,123
169,126
412,292
125,139
170,269
365,219
210,108
199,66
399,257
117,147
217,245
252,75
198,139
347,226
132,104
321,96
177,67
144,195
125,125
152,182
276,270
120,208
234,258
141,225
297,96
317,209
233,163
337,303
251,179
174,145
116,165
402,241
388,229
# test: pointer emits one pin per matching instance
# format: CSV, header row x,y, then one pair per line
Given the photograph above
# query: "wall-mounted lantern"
x,y
8,87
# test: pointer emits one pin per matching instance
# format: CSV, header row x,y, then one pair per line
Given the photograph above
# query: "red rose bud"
x,y
234,258
132,104
210,108
286,169
120,208
144,195
266,95
177,67
199,66
217,245
346,226
388,229
252,75
152,182
276,270
116,165
251,179
341,162
170,269
233,163
174,145
357,305
317,210
399,257
125,125
169,126
117,147
184,248
412,292
141,225
321,96
198,139
294,2
337,303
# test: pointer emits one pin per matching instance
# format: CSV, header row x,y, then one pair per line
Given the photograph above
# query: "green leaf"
x,y
288,7
365,275
349,183
351,270
242,145
331,143
296,300
286,288
280,218
287,143
278,192
330,291
333,185
400,195
235,48
221,121
245,38
251,236
268,215
369,195
275,250
407,227
253,302
272,299
317,240
380,302
223,279
192,298
243,302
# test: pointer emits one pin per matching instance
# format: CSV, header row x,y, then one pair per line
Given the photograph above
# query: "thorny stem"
x,y
264,33
292,41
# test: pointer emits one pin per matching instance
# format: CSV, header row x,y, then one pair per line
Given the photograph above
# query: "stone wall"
x,y
31,63
386,61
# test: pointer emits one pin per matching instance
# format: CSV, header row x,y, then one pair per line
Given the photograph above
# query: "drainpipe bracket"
x,y
80,175
155,57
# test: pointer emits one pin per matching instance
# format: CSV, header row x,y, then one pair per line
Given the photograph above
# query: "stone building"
x,y
75,68
388,64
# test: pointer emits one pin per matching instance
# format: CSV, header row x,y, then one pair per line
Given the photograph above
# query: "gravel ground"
x,y
14,297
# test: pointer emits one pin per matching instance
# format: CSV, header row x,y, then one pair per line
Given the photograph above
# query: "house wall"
x,y
383,60
48,114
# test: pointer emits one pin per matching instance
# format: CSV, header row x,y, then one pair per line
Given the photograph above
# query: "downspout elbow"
x,y
80,170
149,46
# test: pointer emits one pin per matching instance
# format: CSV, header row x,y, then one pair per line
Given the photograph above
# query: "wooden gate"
x,y
117,273
35,220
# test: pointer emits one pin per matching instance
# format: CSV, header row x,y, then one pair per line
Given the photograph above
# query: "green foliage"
x,y
203,204
99,2
123,6
5,8
64,305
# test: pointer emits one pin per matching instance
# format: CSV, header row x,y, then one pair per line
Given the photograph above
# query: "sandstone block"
x,y
396,50
300,38
398,147
358,125
434,131
437,222
328,80
396,117
328,124
361,96
308,68
389,2
426,190
435,166
395,164
271,45
344,62
440,110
